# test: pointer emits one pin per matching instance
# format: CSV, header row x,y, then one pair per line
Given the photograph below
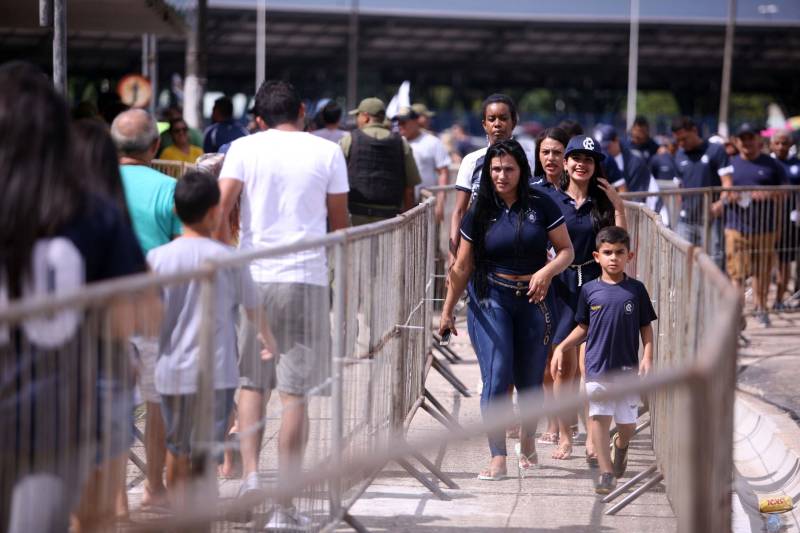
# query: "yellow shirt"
x,y
173,153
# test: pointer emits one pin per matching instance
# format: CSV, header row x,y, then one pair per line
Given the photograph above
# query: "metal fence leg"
x,y
635,494
416,474
337,401
631,482
450,377
432,399
436,471
357,526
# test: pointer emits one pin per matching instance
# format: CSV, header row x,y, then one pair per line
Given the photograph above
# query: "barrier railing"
x,y
377,308
751,233
353,351
691,417
175,169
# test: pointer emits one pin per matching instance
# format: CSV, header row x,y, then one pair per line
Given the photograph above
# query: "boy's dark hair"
x,y
682,123
641,121
195,194
277,102
331,113
613,235
224,106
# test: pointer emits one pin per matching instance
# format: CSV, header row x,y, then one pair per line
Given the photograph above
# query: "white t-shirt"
x,y
179,341
469,173
286,178
430,155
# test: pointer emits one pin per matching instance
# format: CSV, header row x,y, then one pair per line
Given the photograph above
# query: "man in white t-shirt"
x,y
293,187
429,152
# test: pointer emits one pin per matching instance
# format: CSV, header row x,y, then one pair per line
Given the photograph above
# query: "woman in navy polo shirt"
x,y
588,203
548,169
504,257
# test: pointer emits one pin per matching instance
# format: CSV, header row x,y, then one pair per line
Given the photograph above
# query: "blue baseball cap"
x,y
584,144
605,133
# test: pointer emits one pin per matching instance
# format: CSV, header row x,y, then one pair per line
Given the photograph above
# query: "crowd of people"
x,y
538,242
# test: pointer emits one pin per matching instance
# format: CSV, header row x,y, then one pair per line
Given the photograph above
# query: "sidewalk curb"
x,y
766,461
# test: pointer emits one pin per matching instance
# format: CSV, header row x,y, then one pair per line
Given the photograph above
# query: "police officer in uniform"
x,y
380,166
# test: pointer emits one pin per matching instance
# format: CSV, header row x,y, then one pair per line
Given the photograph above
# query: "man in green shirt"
x,y
380,166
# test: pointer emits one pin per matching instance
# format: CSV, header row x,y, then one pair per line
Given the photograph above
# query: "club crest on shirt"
x,y
629,307
704,159
531,214
596,307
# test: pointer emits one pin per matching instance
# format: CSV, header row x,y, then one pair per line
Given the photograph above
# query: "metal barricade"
x,y
373,306
175,169
751,233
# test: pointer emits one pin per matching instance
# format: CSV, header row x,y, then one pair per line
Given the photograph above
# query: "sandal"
x,y
548,438
591,460
526,463
488,475
563,452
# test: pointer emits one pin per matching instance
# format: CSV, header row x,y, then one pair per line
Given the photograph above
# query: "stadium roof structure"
x,y
475,46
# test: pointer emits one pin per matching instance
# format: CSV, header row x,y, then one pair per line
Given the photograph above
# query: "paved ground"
x,y
770,365
558,498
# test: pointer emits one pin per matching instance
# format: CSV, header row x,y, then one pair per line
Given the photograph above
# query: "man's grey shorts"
x,y
299,315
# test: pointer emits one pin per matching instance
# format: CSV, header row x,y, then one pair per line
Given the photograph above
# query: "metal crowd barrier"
x,y
362,338
175,169
751,233
691,406
376,301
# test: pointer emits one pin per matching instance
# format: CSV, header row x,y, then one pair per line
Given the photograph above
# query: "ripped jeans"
x,y
511,337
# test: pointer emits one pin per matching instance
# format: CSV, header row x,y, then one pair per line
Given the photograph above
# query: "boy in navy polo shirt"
x,y
613,311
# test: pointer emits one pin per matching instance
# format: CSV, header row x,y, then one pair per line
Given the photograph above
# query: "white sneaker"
x,y
287,519
250,484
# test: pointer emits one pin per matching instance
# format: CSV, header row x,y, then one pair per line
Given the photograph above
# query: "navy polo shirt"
x,y
645,150
614,313
579,225
613,173
662,167
758,216
701,167
516,241
791,167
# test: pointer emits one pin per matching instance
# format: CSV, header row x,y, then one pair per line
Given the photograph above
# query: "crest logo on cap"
x,y
588,143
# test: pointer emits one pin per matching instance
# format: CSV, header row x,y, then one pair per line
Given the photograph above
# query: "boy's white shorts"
x,y
625,410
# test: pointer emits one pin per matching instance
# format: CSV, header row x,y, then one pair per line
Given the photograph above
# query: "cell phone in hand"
x,y
445,338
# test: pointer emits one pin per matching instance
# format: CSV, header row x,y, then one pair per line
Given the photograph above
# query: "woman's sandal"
x,y
563,452
548,438
526,463
488,475
591,460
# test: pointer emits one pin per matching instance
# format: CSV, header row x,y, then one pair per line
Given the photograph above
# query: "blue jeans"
x,y
511,337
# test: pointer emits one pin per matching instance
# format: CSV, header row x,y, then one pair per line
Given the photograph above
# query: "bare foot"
x,y
564,451
151,498
497,469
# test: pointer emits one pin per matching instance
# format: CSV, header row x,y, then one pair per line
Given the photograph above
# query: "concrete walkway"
x,y
559,497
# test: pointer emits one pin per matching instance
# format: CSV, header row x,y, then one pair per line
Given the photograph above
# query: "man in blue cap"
x,y
634,169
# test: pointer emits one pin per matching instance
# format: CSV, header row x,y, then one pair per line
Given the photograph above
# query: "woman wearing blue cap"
x,y
589,203
503,256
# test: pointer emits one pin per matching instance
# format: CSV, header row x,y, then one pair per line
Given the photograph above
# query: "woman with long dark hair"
x,y
54,238
548,170
588,203
503,259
